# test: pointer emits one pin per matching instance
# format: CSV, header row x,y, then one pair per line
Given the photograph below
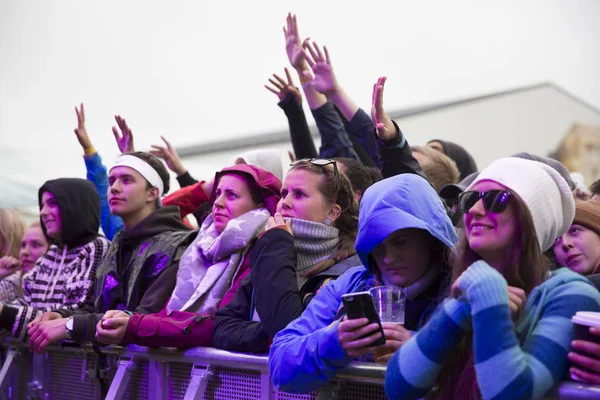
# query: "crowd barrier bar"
x,y
121,373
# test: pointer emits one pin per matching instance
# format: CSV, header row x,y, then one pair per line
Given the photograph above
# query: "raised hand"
x,y
383,124
169,154
293,45
282,88
324,80
80,131
125,139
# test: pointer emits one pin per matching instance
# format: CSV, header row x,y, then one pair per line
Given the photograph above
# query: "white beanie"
x,y
546,194
267,159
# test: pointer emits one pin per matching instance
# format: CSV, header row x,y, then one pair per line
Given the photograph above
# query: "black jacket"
x,y
139,271
271,290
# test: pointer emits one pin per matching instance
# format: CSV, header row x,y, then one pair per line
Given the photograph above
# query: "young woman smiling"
x,y
506,330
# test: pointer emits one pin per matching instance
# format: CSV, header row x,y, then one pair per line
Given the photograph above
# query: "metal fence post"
x,y
6,367
201,374
159,384
119,384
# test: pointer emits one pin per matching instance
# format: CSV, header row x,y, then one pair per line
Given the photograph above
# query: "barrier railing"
x,y
72,371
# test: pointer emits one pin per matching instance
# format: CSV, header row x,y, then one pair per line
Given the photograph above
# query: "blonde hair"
x,y
12,230
441,170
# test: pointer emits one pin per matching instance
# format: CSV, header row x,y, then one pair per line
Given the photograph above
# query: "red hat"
x,y
269,185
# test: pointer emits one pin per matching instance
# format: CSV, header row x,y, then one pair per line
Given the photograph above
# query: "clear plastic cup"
x,y
389,303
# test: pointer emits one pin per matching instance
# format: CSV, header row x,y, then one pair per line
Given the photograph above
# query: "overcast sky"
x,y
194,70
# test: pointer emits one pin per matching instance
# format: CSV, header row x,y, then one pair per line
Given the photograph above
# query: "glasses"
x,y
493,200
323,162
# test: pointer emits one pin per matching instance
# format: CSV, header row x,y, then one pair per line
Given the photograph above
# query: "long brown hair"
x,y
347,223
527,267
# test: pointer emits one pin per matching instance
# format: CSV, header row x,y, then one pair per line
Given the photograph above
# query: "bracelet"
x,y
304,79
128,313
89,151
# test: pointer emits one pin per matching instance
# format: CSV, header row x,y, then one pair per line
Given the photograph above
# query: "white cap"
x,y
546,194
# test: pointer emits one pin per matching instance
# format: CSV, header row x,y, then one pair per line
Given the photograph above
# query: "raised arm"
x,y
334,139
396,154
97,174
290,101
296,54
169,154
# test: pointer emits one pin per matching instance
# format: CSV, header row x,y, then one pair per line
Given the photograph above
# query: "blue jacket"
x,y
307,353
96,173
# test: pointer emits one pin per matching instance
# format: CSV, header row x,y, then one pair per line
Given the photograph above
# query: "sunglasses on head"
x,y
323,162
493,200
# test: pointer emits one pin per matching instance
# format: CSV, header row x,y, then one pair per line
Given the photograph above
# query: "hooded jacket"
x,y
463,159
513,360
139,271
186,328
308,353
63,278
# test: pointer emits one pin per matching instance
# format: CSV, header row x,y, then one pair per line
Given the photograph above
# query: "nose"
x,y
566,243
286,203
25,250
115,187
219,201
477,209
44,211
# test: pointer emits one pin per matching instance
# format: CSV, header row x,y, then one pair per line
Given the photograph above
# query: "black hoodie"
x,y
79,207
63,278
140,269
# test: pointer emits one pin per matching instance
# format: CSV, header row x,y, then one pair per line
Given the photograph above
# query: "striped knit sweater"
x,y
512,361
61,279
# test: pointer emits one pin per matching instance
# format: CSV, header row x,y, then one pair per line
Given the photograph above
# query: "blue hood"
x,y
402,201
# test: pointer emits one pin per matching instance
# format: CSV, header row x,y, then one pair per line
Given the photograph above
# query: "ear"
x,y
152,195
334,212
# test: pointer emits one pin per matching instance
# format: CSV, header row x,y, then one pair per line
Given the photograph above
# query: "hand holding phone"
x,y
360,331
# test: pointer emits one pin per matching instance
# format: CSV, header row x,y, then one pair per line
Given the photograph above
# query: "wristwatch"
x,y
69,326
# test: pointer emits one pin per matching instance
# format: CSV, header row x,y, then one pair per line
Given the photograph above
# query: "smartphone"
x,y
360,305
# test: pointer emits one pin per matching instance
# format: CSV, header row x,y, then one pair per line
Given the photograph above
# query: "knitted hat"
x,y
587,213
545,193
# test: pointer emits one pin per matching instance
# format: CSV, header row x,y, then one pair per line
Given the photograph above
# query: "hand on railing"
x,y
45,333
112,327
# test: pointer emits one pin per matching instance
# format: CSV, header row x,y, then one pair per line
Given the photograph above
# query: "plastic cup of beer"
x,y
389,303
582,322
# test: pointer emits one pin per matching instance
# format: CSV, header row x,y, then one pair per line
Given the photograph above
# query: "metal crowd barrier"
x,y
72,371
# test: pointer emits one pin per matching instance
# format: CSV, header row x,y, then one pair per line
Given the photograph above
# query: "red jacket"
x,y
181,328
189,199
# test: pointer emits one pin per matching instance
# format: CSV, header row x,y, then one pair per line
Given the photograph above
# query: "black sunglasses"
x,y
493,200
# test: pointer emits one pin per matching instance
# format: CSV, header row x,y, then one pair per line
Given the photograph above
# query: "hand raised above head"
x,y
383,124
125,138
293,44
324,80
282,88
80,131
169,154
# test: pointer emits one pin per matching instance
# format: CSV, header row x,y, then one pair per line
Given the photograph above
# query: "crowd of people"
x,y
493,262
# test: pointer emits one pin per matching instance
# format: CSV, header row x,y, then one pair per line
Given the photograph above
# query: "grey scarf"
x,y
314,242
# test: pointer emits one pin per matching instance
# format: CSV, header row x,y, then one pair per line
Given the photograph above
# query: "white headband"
x,y
143,168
